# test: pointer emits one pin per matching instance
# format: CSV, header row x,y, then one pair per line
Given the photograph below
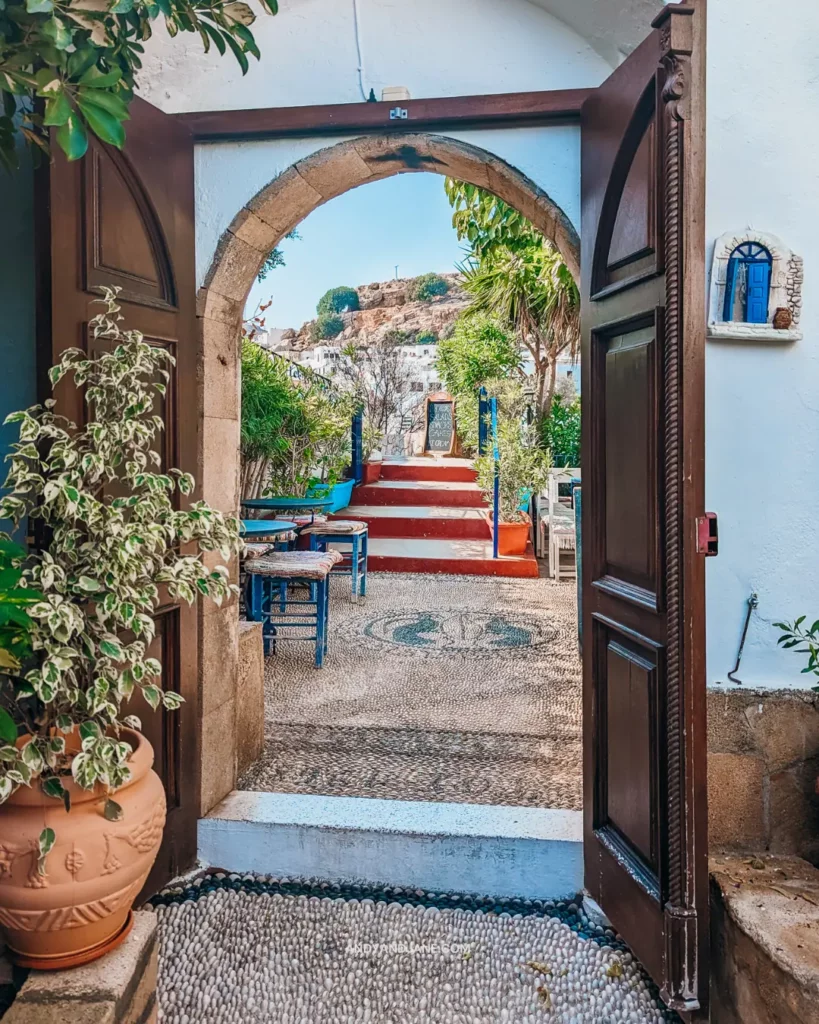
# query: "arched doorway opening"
x,y
256,229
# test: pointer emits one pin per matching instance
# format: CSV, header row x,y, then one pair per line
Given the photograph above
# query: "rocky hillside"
x,y
387,306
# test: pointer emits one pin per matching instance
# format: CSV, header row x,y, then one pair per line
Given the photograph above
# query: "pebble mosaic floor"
x,y
446,688
256,949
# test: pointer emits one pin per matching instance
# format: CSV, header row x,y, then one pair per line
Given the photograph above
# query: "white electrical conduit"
x,y
364,93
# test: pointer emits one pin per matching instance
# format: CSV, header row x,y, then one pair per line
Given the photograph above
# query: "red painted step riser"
x,y
443,498
425,529
518,567
443,474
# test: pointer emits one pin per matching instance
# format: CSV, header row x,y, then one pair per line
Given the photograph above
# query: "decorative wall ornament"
x,y
784,296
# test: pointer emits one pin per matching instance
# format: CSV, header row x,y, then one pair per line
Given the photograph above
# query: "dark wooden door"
x,y
643,580
126,218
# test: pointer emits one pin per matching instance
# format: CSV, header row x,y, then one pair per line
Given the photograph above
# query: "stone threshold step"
x,y
512,852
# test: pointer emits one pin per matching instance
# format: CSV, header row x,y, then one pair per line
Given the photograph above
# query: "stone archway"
x,y
254,232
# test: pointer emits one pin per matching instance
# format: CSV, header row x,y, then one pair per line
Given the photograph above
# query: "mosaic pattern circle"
x,y
459,631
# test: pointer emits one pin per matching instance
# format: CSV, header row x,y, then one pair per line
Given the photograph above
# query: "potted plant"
x,y
522,467
81,810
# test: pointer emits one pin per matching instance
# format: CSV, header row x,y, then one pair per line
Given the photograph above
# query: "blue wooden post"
x,y
493,406
357,468
482,428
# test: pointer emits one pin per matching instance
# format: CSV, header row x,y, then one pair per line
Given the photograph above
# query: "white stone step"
x,y
523,852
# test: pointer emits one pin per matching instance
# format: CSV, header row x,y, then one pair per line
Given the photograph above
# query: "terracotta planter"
x,y
372,472
81,908
512,537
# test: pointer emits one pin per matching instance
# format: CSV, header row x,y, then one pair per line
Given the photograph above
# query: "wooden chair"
x,y
344,531
267,599
562,532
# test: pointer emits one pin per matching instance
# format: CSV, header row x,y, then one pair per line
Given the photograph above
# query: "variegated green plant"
x,y
114,536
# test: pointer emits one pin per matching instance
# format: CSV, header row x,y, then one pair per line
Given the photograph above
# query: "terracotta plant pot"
x,y
81,907
512,537
372,472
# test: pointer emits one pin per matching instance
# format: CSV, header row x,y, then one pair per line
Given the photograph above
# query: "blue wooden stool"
x,y
267,599
346,531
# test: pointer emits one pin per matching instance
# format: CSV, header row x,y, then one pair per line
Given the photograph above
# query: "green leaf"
x,y
237,52
111,648
112,811
72,138
45,843
57,112
122,7
102,124
96,79
39,6
56,790
88,584
8,729
107,101
58,32
81,60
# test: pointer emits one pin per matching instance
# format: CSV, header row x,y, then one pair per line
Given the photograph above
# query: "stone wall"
x,y
233,705
764,941
120,988
763,762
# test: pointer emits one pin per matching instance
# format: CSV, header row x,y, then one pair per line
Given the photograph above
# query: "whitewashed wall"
x,y
763,400
433,47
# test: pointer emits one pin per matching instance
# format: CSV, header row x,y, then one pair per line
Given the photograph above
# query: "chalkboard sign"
x,y
440,427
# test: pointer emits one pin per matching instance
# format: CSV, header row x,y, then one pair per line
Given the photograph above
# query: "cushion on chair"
x,y
337,527
305,565
300,520
256,551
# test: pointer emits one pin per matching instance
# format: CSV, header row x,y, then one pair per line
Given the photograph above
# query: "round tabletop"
x,y
265,527
287,504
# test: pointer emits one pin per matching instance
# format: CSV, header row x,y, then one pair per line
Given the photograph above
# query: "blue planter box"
x,y
340,494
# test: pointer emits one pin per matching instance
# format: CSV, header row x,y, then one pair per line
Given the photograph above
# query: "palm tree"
x,y
529,289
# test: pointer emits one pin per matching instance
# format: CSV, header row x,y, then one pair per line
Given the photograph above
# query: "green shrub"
x,y
478,350
426,338
428,287
338,300
326,326
395,336
560,432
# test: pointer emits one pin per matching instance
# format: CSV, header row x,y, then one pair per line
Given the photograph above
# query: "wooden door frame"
x,y
502,110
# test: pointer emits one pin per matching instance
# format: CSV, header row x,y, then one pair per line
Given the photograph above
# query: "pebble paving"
x,y
292,951
448,688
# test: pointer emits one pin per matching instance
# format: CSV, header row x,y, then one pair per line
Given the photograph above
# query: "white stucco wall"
x,y
433,47
763,400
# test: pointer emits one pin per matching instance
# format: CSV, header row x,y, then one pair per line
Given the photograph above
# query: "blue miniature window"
x,y
748,284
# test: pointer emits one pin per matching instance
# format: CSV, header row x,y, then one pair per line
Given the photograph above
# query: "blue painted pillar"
x,y
483,409
493,406
357,467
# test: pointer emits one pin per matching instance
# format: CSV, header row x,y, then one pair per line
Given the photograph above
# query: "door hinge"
x,y
708,535
399,114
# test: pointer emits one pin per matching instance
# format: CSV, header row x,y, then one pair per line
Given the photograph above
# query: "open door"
x,y
643,288
126,219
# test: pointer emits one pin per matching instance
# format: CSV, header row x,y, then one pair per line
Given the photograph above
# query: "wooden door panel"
x,y
643,300
126,219
625,367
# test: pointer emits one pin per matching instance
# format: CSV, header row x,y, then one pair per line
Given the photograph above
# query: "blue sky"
x,y
358,238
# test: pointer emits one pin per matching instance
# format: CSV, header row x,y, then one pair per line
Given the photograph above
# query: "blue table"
x,y
311,505
252,528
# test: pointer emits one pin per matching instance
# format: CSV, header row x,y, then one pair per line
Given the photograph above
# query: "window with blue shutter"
x,y
748,284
